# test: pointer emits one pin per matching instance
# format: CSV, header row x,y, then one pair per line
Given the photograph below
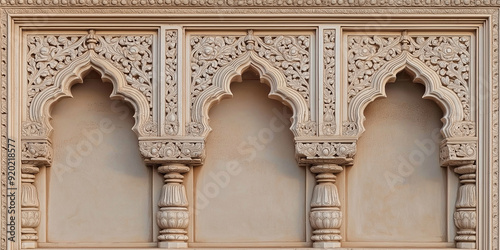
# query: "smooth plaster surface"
x,y
396,189
250,190
99,189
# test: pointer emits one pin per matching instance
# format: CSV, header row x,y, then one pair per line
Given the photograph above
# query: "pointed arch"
x,y
268,74
74,73
446,99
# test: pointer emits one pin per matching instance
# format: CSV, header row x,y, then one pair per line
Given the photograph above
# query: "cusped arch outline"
x,y
446,99
268,74
74,73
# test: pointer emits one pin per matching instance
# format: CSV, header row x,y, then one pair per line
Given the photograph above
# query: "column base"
x,y
466,245
169,244
326,244
28,244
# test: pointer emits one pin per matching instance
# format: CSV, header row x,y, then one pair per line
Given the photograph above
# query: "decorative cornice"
x,y
248,3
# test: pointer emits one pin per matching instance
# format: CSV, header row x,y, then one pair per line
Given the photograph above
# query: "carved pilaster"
x,y
325,216
461,155
30,213
173,217
465,216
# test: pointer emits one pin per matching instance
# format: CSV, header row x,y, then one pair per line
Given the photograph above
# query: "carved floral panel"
x,y
288,53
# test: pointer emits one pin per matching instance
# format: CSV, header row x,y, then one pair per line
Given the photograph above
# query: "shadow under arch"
x,y
74,73
269,75
446,99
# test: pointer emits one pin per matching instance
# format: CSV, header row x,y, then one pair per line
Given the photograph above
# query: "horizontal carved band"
x,y
250,3
172,151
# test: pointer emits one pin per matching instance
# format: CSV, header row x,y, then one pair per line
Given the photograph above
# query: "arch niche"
x,y
38,145
222,81
456,151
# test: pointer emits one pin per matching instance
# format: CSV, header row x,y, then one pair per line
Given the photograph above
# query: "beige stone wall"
x,y
206,156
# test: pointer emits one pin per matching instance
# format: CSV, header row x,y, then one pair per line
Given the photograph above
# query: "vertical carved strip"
x,y
171,119
30,213
173,217
465,216
329,127
325,216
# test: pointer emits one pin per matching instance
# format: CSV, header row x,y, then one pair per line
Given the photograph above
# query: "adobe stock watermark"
x,y
89,141
406,165
248,149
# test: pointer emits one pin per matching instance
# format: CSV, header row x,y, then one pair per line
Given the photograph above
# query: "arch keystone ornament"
x,y
442,64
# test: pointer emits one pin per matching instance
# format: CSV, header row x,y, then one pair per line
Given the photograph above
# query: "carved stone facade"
x,y
325,64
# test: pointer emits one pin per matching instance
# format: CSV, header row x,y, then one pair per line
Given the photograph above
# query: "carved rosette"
x,y
325,216
464,129
329,126
30,213
173,217
171,51
289,54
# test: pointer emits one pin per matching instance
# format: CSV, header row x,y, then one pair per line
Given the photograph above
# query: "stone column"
x,y
465,216
30,213
173,217
325,216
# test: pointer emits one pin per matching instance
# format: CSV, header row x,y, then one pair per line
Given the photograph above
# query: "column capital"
x,y
167,152
318,152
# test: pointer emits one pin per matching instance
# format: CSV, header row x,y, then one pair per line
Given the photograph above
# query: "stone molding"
x,y
251,3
